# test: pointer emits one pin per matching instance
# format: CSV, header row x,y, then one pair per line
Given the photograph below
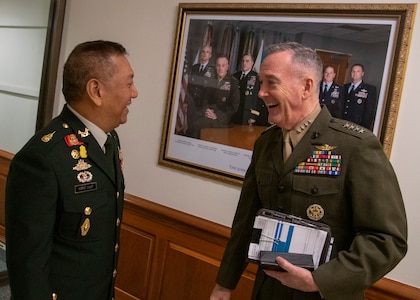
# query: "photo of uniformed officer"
x,y
252,110
360,100
331,94
200,76
220,98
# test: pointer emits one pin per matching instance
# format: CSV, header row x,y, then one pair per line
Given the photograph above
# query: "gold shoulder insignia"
x,y
48,137
325,147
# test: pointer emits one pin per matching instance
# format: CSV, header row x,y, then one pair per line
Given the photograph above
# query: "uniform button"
x,y
281,188
88,210
117,247
118,194
118,222
315,135
314,190
54,296
114,274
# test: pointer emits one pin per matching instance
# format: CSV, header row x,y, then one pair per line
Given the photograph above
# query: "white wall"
x,y
147,30
23,29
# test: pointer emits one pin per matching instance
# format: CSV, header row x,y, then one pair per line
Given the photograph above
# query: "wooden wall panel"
x,y
167,254
135,264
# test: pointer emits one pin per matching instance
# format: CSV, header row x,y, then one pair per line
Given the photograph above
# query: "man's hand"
x,y
294,277
209,113
220,293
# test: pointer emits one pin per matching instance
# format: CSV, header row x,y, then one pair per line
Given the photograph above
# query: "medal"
x,y
315,212
84,176
75,154
81,164
72,140
83,151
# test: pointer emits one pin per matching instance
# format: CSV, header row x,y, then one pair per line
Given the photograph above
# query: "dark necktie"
x,y
351,89
110,152
325,88
201,68
242,76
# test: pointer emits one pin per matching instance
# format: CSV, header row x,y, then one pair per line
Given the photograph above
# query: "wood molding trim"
x,y
168,254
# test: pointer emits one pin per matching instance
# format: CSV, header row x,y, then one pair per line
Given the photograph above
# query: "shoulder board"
x,y
51,134
350,128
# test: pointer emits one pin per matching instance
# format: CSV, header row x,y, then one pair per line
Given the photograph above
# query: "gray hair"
x,y
302,56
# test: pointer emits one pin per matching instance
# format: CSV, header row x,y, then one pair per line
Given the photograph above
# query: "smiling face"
x,y
329,74
287,89
117,93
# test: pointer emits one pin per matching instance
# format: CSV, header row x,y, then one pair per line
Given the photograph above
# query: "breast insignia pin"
x,y
315,212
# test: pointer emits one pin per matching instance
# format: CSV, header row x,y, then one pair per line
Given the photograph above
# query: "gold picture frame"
x,y
377,35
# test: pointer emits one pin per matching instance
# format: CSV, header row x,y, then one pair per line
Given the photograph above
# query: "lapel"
x,y
94,151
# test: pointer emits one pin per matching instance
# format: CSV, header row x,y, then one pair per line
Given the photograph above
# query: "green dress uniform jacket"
x,y
64,205
362,205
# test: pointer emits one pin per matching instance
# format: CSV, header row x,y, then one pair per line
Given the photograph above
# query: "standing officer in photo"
x,y
252,110
360,100
331,94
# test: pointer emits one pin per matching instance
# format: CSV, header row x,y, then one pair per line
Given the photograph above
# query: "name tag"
x,y
85,187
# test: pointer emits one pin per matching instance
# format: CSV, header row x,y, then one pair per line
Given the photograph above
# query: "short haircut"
x,y
359,65
303,56
89,60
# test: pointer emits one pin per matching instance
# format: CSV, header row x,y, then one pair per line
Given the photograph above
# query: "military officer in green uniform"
x,y
358,196
65,187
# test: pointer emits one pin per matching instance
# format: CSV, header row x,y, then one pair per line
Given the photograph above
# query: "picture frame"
x,y
374,35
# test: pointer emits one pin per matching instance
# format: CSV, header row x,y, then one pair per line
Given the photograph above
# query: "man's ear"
x,y
308,87
93,89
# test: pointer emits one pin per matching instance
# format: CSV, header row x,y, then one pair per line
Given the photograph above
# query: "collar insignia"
x,y
84,133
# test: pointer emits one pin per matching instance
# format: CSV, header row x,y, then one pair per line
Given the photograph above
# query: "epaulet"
x,y
350,128
269,128
51,135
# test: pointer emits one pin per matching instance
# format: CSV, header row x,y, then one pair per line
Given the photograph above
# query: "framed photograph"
x,y
209,129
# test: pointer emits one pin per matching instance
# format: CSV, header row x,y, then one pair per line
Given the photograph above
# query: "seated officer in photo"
x,y
220,99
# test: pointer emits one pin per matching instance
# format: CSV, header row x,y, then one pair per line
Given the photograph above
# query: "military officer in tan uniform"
x,y
65,188
358,196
